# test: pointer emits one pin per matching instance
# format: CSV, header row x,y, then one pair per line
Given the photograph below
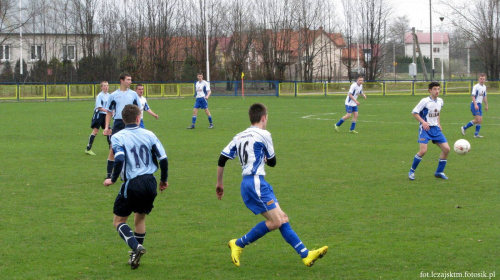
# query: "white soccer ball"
x,y
461,147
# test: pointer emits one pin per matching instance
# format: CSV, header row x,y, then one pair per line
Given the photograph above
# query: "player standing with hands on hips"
x,y
351,104
138,150
203,92
254,148
427,113
478,96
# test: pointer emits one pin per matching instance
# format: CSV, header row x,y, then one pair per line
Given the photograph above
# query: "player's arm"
x,y
364,95
485,103
473,97
117,167
271,162
152,113
219,189
352,98
425,124
109,115
164,174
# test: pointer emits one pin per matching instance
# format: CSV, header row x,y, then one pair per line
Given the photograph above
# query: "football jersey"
x,y
355,90
479,91
144,105
141,148
429,109
101,101
202,88
251,146
118,99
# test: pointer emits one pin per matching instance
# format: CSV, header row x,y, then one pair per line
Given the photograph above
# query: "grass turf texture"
x,y
350,192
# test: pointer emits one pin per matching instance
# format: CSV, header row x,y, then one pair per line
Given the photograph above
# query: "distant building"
x,y
424,40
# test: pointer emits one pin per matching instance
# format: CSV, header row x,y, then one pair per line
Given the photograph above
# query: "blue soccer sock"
x,y
210,119
193,120
255,233
416,161
140,237
353,125
91,141
109,168
127,235
469,124
291,238
340,122
441,166
478,127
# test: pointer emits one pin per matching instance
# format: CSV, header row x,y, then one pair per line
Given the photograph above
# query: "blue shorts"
x,y
201,103
136,195
434,133
117,126
350,109
257,194
478,112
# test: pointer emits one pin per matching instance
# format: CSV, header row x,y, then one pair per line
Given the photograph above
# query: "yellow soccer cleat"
x,y
336,128
314,255
235,252
89,152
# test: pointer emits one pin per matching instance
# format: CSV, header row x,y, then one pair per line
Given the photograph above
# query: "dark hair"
x,y
256,112
139,85
130,113
482,74
199,74
434,84
360,76
124,75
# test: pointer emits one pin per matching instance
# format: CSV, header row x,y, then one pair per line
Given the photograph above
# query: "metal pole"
x,y
432,40
21,37
468,61
442,50
206,39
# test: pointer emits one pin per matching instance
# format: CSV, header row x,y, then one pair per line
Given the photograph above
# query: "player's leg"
x,y
443,157
348,110
353,124
195,115
91,141
209,118
478,120
417,159
471,123
140,227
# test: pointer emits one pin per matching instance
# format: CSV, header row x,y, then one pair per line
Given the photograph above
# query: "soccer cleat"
x,y
135,258
130,257
478,136
440,175
336,128
89,152
190,127
235,252
353,131
313,255
211,126
411,175
463,130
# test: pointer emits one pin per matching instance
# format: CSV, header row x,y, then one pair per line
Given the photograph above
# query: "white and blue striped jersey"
x,y
101,101
144,106
479,92
202,88
355,90
119,99
251,146
141,149
429,109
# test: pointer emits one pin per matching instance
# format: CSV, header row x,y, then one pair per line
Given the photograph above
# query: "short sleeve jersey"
x,y
141,148
251,146
202,88
118,99
355,90
101,101
429,110
479,92
144,105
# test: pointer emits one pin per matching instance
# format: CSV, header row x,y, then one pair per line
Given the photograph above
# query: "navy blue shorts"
x,y
201,103
257,194
434,133
473,110
136,195
117,126
98,121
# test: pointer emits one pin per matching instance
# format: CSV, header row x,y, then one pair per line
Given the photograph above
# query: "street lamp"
x,y
442,49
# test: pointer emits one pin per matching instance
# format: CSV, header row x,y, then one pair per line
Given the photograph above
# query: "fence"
x,y
21,92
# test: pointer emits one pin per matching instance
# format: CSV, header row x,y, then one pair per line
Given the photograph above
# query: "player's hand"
x,y
219,190
106,131
426,126
156,116
476,107
108,182
486,108
163,186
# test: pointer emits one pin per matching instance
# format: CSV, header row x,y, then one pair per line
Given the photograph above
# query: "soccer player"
x,y
254,147
138,150
351,104
202,94
139,88
116,102
99,117
427,113
478,96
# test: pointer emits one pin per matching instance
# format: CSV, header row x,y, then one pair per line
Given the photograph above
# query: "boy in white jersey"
x,y
99,117
137,150
139,88
351,104
478,96
427,113
203,92
254,148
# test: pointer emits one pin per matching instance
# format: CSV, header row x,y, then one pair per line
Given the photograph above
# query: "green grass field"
x,y
350,192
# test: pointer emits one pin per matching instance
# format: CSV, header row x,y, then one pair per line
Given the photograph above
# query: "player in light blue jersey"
x,y
137,151
478,96
99,116
139,88
351,104
427,113
116,102
203,92
254,148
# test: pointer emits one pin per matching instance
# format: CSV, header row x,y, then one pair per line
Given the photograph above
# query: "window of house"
x,y
436,50
68,52
36,52
4,52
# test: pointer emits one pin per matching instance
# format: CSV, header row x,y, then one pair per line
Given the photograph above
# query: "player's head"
x,y
360,79
139,88
104,86
256,112
131,114
434,88
125,79
482,78
200,76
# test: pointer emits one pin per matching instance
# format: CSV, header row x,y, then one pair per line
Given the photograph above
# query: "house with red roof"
x,y
439,52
